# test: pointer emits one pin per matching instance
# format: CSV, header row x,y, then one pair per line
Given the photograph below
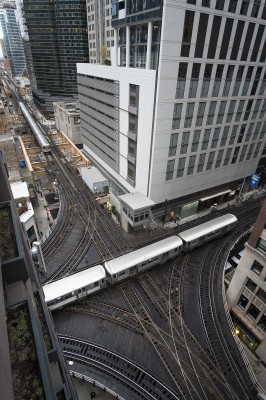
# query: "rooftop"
x,y
136,200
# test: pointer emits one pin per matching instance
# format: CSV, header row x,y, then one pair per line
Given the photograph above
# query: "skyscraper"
x,y
180,114
55,38
12,39
100,31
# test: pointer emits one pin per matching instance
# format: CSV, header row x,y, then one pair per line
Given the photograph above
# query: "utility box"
x,y
97,183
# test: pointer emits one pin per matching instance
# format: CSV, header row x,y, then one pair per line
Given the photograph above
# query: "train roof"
x,y
33,125
73,282
207,227
138,256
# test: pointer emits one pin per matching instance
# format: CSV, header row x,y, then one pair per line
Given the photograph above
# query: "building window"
x,y
219,5
228,80
181,167
211,112
177,116
210,160
201,110
201,162
240,110
250,151
255,8
217,81
242,302
194,80
251,285
133,95
76,120
225,135
195,143
173,145
215,138
132,148
189,115
238,80
227,156
206,80
243,152
262,245
184,143
132,123
206,138
181,80
235,155
262,323
187,33
244,7
261,294
191,165
256,268
231,111
247,81
219,158
131,171
232,6
233,134
253,312
221,112
169,170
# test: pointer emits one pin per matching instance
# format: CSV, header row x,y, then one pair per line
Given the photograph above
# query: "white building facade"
x,y
67,120
180,114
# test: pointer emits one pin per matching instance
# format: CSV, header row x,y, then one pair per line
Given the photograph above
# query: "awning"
x,y
215,195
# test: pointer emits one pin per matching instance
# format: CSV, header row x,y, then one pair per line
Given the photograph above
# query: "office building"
x,y
55,38
246,295
100,30
12,39
179,116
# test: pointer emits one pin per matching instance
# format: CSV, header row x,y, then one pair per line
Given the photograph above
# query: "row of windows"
x,y
245,32
252,312
217,137
260,293
216,80
244,7
218,112
211,160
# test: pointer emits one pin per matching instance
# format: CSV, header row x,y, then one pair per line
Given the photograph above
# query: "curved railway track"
x,y
83,227
194,345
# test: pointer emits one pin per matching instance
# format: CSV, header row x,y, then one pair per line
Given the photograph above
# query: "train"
x,y
77,286
40,137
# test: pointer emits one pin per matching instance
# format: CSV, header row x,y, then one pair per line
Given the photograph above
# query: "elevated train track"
x,y
178,311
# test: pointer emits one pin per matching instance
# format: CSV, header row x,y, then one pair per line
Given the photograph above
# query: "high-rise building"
x,y
12,39
180,114
246,295
55,37
100,30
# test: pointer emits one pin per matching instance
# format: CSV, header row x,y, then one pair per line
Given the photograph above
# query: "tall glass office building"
x,y
12,41
55,38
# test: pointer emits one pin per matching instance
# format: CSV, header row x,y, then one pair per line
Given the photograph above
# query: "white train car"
x,y
41,139
207,231
77,286
139,260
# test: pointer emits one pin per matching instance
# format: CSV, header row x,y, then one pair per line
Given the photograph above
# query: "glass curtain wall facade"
x,y
13,41
58,38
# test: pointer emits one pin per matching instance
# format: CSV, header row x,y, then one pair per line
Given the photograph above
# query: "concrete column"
x,y
128,46
149,42
115,46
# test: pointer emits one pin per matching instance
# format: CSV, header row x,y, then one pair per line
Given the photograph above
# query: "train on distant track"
x,y
77,286
40,137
